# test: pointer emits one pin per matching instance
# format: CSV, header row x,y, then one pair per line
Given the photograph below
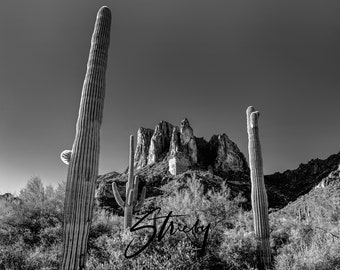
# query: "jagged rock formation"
x,y
228,155
179,163
160,142
175,141
188,141
183,150
144,136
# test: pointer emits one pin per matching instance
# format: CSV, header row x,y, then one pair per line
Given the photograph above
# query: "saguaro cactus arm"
x,y
117,196
135,187
65,156
130,198
258,191
83,164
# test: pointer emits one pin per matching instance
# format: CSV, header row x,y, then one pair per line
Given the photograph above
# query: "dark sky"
x,y
204,60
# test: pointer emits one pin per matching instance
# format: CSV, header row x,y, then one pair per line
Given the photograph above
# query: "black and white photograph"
x,y
169,135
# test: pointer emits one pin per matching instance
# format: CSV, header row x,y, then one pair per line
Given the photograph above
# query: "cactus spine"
x,y
259,199
83,161
131,191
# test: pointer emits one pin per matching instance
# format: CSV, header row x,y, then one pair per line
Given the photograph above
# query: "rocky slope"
x,y
285,187
322,199
157,175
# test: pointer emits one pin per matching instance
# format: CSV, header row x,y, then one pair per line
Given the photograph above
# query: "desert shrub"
x,y
180,250
31,232
215,207
304,235
309,247
12,256
310,233
108,242
109,253
238,249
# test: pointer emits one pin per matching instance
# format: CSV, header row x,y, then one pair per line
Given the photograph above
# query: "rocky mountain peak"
x,y
179,146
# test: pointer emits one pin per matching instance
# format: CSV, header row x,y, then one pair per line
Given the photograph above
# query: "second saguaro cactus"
x,y
259,199
132,203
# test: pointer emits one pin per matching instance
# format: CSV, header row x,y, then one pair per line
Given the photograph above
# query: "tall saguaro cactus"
x,y
259,199
131,193
83,160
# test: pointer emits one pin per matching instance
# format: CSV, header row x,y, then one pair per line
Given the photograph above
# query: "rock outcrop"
x,y
188,141
175,141
333,177
144,136
179,163
160,142
183,150
228,155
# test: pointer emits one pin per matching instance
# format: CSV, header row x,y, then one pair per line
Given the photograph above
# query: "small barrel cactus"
x,y
259,199
132,203
83,159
